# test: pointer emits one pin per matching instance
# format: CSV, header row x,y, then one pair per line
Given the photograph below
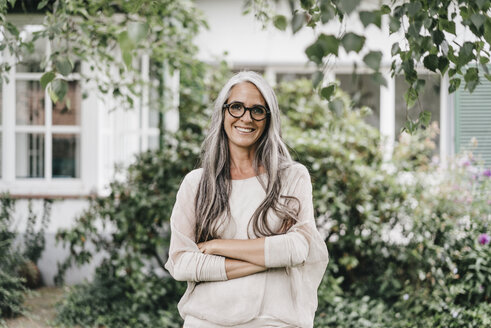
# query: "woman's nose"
x,y
247,116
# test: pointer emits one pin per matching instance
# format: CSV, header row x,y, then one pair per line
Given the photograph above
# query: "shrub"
x,y
408,241
402,234
135,228
11,287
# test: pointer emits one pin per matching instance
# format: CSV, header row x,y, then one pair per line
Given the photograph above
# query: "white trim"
x,y
8,133
445,139
145,101
387,113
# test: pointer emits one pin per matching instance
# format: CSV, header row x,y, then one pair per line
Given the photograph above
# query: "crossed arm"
x,y
242,257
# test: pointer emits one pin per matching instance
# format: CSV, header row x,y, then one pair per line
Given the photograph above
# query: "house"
x,y
48,151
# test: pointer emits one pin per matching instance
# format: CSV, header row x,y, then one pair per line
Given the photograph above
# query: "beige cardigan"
x,y
286,292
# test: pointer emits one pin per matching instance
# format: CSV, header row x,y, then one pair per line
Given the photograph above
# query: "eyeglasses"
x,y
237,110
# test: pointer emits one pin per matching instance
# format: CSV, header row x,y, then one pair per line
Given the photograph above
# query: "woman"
x,y
243,230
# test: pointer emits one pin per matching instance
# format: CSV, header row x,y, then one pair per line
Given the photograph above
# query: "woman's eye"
x,y
259,110
236,106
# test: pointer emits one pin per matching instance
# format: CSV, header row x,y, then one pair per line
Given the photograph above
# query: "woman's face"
x,y
244,132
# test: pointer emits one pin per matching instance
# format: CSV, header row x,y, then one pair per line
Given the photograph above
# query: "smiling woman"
x,y
243,229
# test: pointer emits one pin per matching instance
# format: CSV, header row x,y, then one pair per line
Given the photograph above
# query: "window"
x,y
47,134
429,100
364,92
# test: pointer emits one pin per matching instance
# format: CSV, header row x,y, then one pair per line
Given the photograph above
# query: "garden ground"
x,y
41,307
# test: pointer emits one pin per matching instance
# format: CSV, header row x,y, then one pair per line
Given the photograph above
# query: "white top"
x,y
285,294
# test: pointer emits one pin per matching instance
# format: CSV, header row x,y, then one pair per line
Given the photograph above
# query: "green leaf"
x,y
443,64
419,86
437,37
280,22
12,29
47,78
137,31
63,66
347,6
424,118
127,58
378,78
297,22
453,85
431,62
395,48
336,106
410,96
385,10
352,42
487,30
328,91
125,42
59,89
478,20
370,17
447,25
317,78
328,11
12,3
323,46
42,4
394,24
488,76
471,78
466,53
413,8
307,4
373,59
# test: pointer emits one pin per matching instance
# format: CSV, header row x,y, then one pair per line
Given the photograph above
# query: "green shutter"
x,y
473,119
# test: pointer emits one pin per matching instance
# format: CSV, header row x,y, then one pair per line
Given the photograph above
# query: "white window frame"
x,y
86,129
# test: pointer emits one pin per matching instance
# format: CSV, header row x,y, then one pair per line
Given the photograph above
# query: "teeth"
x,y
244,130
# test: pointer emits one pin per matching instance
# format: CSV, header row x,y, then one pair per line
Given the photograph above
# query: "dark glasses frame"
x,y
227,106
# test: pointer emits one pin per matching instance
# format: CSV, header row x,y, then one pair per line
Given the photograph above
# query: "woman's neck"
x,y
242,163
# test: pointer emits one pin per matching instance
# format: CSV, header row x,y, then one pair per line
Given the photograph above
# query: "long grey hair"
x,y
212,198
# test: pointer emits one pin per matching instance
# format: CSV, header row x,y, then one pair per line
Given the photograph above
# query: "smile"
x,y
244,130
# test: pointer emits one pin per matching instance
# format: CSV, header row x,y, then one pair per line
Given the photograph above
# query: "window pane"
x,y
429,100
287,77
29,103
153,142
32,60
364,92
29,155
66,156
62,115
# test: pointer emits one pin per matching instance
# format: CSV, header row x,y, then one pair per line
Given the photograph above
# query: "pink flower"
x,y
487,173
484,239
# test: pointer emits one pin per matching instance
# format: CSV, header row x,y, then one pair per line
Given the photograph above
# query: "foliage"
x,y
426,35
34,240
406,238
135,228
111,36
11,287
113,300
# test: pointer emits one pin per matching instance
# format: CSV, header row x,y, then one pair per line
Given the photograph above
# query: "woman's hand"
x,y
207,247
248,250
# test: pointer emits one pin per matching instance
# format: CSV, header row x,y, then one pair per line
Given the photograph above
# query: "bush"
x,y
402,234
11,287
407,240
135,229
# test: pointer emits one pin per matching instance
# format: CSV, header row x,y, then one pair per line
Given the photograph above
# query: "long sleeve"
x,y
293,248
186,262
